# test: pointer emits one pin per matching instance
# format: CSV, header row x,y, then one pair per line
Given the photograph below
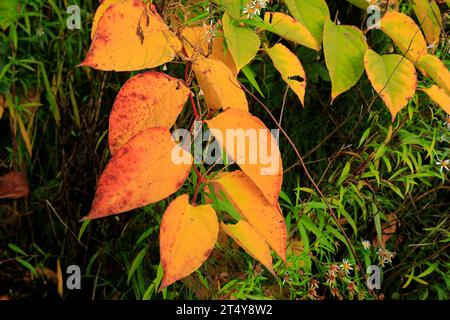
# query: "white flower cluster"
x,y
253,8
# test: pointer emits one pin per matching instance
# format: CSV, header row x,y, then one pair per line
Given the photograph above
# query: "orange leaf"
x,y
147,100
140,173
430,19
433,67
219,86
251,145
105,4
267,219
439,96
187,237
14,185
405,33
251,241
131,36
219,52
196,40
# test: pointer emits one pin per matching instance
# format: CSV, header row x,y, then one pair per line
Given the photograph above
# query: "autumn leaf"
x,y
14,185
140,173
220,52
344,48
311,13
252,146
196,40
251,241
405,33
147,100
187,237
105,4
290,29
131,36
439,96
220,87
430,19
251,203
393,77
433,67
243,42
291,69
2,106
232,7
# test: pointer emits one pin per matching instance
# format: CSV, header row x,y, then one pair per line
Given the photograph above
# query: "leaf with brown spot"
x,y
147,100
14,185
291,69
433,67
251,241
405,33
105,4
131,36
220,87
251,203
196,40
258,158
140,173
439,96
187,237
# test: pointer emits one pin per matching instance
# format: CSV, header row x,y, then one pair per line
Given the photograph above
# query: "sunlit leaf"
x,y
105,4
344,48
252,146
131,36
430,19
311,13
220,87
251,241
287,27
254,208
433,67
147,100
439,96
393,77
187,237
291,69
140,173
243,42
405,33
220,52
196,40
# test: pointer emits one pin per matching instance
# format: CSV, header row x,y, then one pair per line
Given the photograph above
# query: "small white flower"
x,y
444,164
385,256
366,244
346,266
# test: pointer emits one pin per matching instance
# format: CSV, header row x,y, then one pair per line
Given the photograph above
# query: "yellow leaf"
x,y
287,63
105,4
393,77
439,96
254,208
430,19
287,27
219,52
433,67
252,146
140,173
131,36
24,134
137,108
344,48
196,40
405,33
311,13
186,239
243,43
220,87
251,241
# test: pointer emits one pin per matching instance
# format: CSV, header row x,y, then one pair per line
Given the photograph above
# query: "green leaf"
x,y
242,42
136,262
363,4
232,7
9,13
311,13
16,249
344,48
250,75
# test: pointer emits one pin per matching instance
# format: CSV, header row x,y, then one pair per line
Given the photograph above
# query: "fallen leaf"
x,y
187,237
14,185
140,173
147,100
